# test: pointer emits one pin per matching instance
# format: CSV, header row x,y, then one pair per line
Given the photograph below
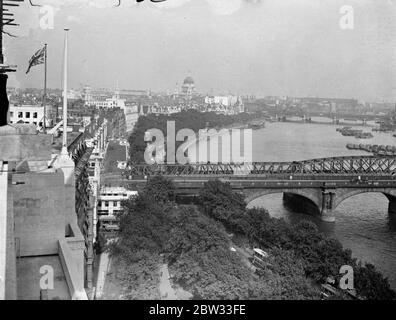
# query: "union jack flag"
x,y
37,58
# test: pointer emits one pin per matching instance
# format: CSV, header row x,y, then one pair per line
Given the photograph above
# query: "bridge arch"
x,y
343,194
312,195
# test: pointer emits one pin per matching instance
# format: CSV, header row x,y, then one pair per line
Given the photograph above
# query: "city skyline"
x,y
203,150
247,47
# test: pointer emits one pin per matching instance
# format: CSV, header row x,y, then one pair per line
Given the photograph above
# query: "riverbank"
x,y
191,119
219,131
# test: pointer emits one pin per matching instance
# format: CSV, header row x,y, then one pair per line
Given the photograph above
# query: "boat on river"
x,y
364,135
343,129
359,134
257,124
382,150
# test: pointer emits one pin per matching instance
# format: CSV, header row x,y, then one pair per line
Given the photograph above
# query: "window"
x,y
35,123
20,114
102,213
106,203
99,203
40,124
27,114
35,115
115,203
11,114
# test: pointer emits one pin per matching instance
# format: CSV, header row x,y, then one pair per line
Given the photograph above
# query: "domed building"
x,y
188,86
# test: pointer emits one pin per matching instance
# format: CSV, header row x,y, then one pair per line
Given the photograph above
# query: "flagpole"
x,y
1,32
64,147
45,85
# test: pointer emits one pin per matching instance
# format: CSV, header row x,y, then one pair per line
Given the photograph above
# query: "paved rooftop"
x,y
28,272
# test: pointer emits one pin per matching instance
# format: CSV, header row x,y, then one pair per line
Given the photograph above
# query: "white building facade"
x,y
110,204
29,114
108,103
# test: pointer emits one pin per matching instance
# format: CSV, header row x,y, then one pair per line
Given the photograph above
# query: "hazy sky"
x,y
267,47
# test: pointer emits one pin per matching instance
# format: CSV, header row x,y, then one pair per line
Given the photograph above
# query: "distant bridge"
x,y
318,185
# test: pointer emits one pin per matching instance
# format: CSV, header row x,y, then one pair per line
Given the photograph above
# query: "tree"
x,y
196,246
221,203
371,284
192,119
160,189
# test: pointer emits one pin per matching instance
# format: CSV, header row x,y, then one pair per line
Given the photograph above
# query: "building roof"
x,y
113,189
24,106
82,163
188,80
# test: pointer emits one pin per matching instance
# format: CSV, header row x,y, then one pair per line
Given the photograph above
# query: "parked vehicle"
x,y
259,258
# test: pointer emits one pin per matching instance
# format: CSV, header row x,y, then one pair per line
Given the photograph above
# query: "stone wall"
x,y
39,210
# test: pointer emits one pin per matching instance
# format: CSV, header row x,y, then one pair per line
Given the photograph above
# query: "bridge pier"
x,y
328,205
323,207
327,215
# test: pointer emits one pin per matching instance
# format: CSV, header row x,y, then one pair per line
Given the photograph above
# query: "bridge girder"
x,y
356,165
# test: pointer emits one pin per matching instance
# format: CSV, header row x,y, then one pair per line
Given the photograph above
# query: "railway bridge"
x,y
317,185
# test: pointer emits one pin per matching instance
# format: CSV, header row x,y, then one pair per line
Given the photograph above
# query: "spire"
x,y
117,91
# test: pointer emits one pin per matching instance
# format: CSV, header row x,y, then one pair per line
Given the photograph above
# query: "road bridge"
x,y
319,185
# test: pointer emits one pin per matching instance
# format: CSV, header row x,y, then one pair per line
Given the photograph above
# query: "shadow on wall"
x,y
300,204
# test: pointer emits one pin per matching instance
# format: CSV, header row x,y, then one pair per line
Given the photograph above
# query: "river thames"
x,y
362,221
